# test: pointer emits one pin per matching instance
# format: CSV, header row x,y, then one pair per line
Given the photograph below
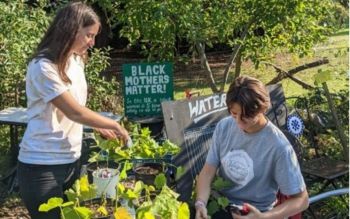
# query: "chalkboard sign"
x,y
146,85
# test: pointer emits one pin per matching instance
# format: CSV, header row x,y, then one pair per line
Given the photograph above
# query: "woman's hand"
x,y
254,213
106,133
201,212
122,133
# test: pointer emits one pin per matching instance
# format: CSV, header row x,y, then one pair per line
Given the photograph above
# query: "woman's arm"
x,y
292,206
204,180
77,113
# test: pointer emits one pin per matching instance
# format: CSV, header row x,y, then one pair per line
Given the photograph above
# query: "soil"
x,y
94,205
13,208
147,170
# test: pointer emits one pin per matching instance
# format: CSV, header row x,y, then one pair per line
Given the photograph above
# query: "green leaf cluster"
x,y
21,29
104,94
159,26
143,147
165,205
68,211
82,190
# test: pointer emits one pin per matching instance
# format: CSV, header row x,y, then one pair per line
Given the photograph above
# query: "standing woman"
x,y
56,92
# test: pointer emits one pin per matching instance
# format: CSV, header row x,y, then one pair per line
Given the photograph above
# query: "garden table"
x,y
16,117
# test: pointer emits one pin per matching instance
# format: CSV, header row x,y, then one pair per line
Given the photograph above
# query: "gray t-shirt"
x,y
258,164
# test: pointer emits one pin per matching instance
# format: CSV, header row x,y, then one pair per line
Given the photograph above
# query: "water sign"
x,y
146,85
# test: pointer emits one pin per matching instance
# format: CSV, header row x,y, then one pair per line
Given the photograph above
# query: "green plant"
x,y
82,190
103,94
252,28
68,211
216,200
21,29
143,147
165,205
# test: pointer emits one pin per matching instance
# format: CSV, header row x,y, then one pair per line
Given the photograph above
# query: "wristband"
x,y
199,204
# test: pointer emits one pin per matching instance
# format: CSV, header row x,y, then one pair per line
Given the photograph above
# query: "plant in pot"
x,y
164,205
82,202
149,157
103,170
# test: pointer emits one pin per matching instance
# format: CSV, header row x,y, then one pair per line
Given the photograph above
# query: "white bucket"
x,y
106,186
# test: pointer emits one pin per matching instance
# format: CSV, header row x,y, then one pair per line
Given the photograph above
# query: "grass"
x,y
335,49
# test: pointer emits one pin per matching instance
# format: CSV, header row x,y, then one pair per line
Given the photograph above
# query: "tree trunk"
x,y
206,66
339,127
235,52
238,65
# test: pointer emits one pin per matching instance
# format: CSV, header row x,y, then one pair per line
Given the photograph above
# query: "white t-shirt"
x,y
50,137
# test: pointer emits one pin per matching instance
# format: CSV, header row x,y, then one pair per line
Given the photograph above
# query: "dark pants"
x,y
38,183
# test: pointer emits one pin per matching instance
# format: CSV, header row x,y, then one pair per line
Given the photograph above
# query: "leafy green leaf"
x,y
219,183
184,211
51,204
212,207
322,77
223,202
160,181
83,212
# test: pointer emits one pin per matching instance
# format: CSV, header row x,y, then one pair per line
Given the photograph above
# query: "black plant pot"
x,y
93,204
91,167
155,125
147,172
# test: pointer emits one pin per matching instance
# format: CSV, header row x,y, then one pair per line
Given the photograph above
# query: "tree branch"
x,y
284,74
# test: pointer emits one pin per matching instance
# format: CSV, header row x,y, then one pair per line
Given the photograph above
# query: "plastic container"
x,y
106,185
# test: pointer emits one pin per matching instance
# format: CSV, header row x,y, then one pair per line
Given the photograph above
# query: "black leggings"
x,y
38,183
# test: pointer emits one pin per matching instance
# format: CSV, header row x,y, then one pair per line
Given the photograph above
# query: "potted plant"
x,y
82,203
149,158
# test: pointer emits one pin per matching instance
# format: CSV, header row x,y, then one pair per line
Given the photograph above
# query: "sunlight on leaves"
x,y
51,204
184,211
122,213
102,210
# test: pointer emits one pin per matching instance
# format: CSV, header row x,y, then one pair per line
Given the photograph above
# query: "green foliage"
x,y
144,146
21,29
219,183
103,94
212,207
216,200
322,77
81,190
321,122
157,25
165,205
68,211
130,194
160,181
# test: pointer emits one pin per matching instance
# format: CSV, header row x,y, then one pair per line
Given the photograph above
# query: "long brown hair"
x,y
60,36
250,94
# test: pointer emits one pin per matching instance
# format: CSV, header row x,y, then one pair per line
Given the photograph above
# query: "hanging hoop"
x,y
295,125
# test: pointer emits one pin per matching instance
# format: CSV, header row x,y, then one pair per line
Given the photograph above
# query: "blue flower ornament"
x,y
295,125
